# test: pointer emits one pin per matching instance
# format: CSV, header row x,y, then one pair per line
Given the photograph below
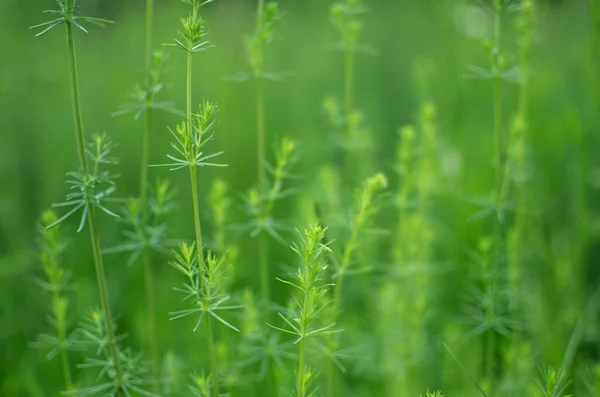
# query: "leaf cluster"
x,y
147,229
68,13
144,97
91,188
191,137
260,202
56,283
257,43
345,16
204,286
133,377
190,38
313,300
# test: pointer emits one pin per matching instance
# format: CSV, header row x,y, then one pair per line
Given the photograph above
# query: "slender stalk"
x,y
260,130
263,250
263,263
349,83
300,388
149,286
301,392
199,250
146,262
64,357
491,338
100,275
260,109
352,158
197,225
93,226
76,101
337,296
213,357
148,118
497,105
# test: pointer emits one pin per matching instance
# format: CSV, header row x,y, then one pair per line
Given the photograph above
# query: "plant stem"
x,y
497,104
300,386
100,275
263,262
263,250
213,357
351,159
197,225
337,296
349,83
148,118
491,339
149,286
148,278
64,358
78,120
95,240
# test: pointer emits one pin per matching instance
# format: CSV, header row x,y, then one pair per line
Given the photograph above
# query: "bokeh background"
x,y
421,50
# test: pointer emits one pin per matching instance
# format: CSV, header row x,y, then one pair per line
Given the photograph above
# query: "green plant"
x,y
309,308
205,274
260,205
57,282
436,393
88,181
256,46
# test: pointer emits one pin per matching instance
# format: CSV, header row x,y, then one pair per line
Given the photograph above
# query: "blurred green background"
x,y
423,49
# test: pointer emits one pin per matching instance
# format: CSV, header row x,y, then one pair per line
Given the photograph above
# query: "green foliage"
x,y
67,12
189,141
91,188
57,283
204,285
260,203
489,242
304,320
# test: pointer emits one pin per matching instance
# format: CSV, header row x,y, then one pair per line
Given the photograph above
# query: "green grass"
x,y
410,205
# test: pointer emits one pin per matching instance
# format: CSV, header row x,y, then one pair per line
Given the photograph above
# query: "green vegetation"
x,y
390,199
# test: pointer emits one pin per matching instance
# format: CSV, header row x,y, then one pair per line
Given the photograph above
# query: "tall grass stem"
x,y
93,226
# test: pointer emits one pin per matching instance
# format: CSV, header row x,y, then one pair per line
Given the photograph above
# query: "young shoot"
x,y
127,377
260,205
57,281
306,318
367,206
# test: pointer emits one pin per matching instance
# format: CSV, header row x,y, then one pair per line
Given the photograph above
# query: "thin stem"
x,y
260,130
149,286
300,389
263,251
337,297
263,259
349,110
197,225
76,98
64,357
213,357
101,277
148,118
490,356
497,105
349,82
95,240
148,279
300,386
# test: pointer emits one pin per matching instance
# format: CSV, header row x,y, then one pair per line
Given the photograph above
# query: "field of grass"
x,y
300,198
